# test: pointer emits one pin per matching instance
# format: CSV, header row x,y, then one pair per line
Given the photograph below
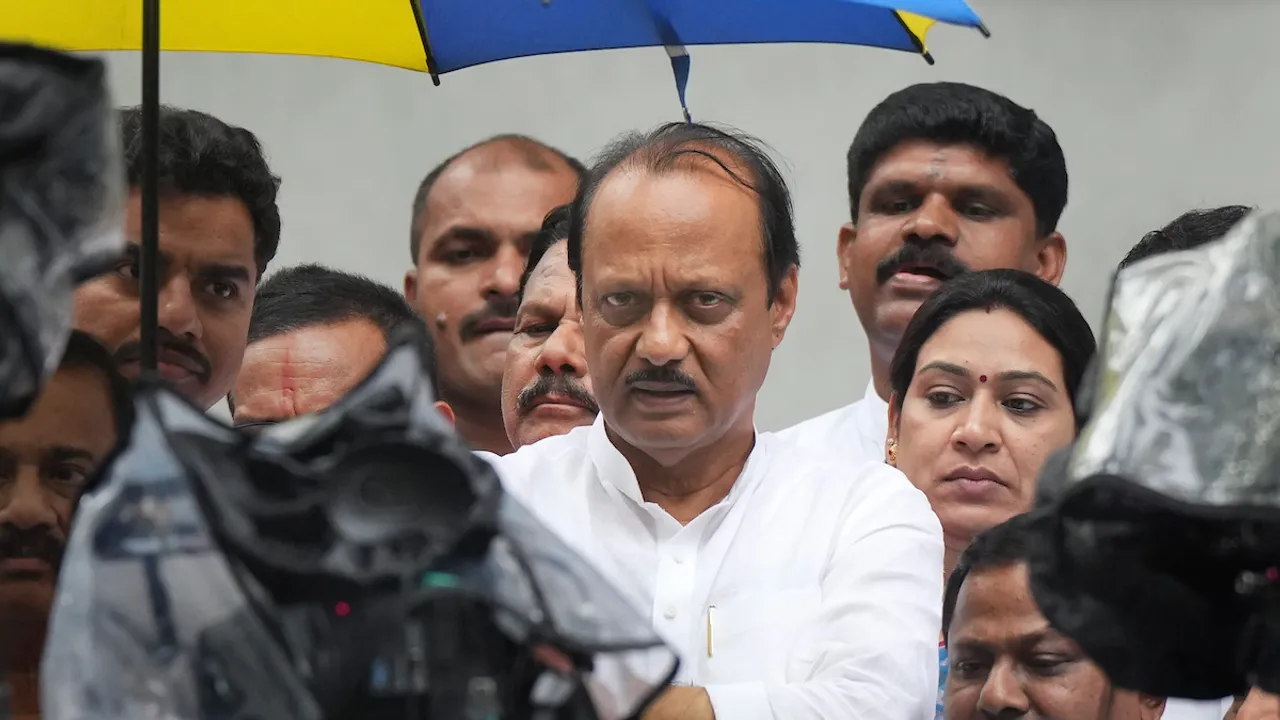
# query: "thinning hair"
x,y
533,153
680,146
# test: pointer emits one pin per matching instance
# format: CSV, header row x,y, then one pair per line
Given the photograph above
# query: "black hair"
x,y
201,155
85,352
305,296
555,229
1004,545
677,146
532,152
1042,305
955,113
1189,230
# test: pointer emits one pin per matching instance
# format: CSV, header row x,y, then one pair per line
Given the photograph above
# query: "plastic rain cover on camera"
x,y
143,578
1172,490
61,205
142,582
541,588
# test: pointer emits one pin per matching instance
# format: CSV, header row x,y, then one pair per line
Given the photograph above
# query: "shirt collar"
x,y
874,415
613,469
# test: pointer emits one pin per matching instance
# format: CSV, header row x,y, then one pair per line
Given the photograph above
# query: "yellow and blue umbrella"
x,y
440,36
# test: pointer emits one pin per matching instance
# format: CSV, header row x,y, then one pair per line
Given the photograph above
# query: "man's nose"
x,y
979,428
934,221
1003,696
507,266
662,339
563,352
26,501
178,311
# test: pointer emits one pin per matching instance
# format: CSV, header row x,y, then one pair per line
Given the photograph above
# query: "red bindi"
x,y
982,378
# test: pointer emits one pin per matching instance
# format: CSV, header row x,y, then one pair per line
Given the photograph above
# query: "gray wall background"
x,y
1160,106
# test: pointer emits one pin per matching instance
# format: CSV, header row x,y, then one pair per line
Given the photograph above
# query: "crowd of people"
x,y
600,333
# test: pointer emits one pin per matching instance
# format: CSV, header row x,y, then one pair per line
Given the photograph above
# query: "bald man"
x,y
474,218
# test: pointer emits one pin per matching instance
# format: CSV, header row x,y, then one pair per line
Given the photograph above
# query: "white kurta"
x,y
853,434
820,582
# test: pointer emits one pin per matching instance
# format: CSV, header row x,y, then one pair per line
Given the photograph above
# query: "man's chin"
x,y
549,421
26,599
651,435
893,314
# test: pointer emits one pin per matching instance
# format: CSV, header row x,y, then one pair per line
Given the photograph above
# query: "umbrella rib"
x,y
918,42
416,6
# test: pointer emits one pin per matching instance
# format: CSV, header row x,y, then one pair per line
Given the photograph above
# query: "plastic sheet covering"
x,y
148,583
1188,399
1160,529
62,193
142,584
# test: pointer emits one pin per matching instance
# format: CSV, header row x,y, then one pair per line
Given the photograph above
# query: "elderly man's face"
x,y
306,371
546,389
45,459
677,321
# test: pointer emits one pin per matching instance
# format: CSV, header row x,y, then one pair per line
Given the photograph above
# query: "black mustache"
x,y
931,255
498,309
165,340
37,542
557,384
663,374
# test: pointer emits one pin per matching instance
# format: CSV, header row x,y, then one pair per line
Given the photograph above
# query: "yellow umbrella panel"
x,y
387,32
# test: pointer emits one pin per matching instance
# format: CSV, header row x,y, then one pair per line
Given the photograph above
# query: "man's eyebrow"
x,y
464,232
982,191
540,308
967,645
133,253
222,271
63,453
897,186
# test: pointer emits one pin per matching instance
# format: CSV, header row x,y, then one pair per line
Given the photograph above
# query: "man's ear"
x,y
445,411
844,246
784,304
411,286
1051,258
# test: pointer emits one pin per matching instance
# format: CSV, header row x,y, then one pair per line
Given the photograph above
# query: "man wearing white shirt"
x,y
791,587
943,178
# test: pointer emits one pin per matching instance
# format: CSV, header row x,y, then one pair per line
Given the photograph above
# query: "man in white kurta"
x,y
793,588
807,592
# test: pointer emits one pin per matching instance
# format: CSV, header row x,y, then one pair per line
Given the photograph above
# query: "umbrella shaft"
x,y
148,270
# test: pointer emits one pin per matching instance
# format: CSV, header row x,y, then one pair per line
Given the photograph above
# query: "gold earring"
x,y
891,454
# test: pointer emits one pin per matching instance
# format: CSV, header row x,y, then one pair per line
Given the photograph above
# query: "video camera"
x,y
1159,551
356,563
